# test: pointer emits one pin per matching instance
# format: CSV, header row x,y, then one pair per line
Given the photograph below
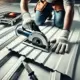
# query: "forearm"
x,y
69,13
24,6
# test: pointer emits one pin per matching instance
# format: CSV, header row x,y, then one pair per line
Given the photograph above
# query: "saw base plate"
x,y
35,46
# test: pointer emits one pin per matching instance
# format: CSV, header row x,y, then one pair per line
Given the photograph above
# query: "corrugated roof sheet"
x,y
47,66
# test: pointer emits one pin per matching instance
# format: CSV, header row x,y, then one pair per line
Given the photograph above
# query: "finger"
x,y
53,41
51,45
54,47
67,48
58,47
62,50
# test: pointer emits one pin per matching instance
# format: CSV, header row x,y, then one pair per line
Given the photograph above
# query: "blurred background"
x,y
3,1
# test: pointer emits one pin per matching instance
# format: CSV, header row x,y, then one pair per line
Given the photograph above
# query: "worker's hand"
x,y
61,44
28,23
26,18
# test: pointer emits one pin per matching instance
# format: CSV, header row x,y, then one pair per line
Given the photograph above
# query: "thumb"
x,y
53,41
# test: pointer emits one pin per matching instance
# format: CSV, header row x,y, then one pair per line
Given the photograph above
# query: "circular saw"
x,y
34,38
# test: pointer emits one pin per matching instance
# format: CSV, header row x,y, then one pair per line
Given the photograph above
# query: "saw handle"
x,y
19,30
25,33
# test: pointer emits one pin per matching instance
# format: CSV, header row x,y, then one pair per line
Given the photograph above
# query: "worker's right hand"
x,y
28,23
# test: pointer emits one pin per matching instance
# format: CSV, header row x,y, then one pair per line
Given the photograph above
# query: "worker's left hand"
x,y
61,44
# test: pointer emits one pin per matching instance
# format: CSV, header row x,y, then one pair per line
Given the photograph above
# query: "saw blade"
x,y
39,39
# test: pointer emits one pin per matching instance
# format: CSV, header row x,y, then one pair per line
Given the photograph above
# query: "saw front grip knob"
x,y
19,26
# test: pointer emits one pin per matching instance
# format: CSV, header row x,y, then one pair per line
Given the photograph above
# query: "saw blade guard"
x,y
39,39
